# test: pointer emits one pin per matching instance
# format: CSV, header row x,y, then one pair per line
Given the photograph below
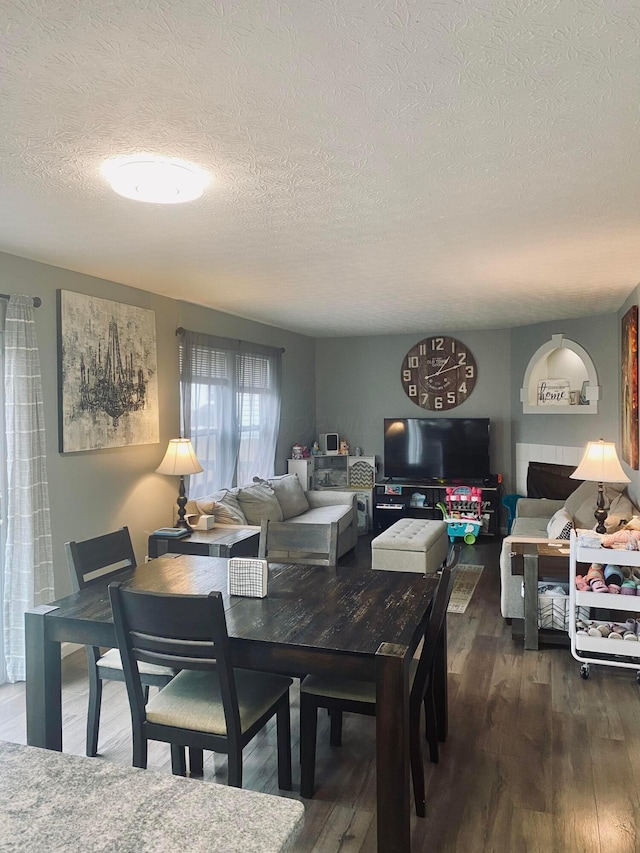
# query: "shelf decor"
x,y
107,374
560,379
629,385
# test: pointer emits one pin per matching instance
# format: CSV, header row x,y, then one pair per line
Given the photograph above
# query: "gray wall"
x,y
358,385
599,336
348,385
94,492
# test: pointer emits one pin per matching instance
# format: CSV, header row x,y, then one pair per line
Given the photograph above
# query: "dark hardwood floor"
x,y
537,759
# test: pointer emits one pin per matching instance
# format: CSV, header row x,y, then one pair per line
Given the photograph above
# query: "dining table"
x,y
352,622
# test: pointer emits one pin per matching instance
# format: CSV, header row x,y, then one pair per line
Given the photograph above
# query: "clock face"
x,y
438,373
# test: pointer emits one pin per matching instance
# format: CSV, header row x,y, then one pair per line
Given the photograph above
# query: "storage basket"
x,y
553,610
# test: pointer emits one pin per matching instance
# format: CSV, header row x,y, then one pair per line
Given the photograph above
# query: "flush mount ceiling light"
x,y
160,180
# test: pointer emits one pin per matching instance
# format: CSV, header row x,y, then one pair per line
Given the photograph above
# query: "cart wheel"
x,y
584,671
469,538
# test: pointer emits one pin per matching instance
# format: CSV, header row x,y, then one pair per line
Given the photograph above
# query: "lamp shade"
x,y
600,464
180,459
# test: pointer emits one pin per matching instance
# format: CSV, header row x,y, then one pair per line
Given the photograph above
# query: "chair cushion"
x,y
290,495
259,501
112,660
346,688
223,505
193,700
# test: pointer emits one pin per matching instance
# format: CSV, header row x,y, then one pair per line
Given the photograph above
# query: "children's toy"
x,y
462,512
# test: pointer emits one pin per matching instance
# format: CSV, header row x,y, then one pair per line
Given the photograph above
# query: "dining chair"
x,y
292,542
209,704
102,559
338,695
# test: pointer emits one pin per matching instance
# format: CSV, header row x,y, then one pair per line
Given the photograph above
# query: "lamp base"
x,y
601,513
182,502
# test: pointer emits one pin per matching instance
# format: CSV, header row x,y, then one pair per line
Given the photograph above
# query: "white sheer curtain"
x,y
28,561
230,396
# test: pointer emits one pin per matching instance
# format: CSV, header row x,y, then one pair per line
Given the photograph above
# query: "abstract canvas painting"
x,y
629,387
107,374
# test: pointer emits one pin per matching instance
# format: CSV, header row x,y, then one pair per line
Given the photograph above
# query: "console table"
x,y
395,499
534,560
220,541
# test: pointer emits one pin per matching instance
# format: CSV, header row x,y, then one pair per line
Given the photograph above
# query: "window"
x,y
230,399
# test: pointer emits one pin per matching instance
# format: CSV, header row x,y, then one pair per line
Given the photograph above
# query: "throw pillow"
x,y
581,505
259,501
560,525
223,505
290,495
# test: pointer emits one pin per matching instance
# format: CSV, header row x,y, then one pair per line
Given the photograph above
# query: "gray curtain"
x,y
230,399
28,561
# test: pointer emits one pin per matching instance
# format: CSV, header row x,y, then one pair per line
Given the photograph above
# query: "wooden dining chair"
x,y
101,560
209,704
292,542
359,697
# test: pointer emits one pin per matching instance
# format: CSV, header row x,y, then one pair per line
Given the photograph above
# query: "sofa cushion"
x,y
342,513
560,525
533,528
259,501
581,505
290,495
223,505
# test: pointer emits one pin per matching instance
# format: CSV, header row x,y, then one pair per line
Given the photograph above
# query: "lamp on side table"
x,y
600,464
180,460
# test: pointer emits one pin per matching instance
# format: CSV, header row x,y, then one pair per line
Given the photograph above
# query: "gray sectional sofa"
x,y
282,499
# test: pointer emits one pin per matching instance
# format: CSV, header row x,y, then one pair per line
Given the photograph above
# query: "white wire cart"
x,y
601,650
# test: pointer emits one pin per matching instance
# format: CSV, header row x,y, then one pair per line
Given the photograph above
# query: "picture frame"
x,y
107,374
629,387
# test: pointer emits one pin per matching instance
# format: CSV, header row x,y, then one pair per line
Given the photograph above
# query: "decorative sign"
x,y
554,392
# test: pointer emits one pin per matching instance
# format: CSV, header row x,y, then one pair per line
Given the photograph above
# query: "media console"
x,y
394,499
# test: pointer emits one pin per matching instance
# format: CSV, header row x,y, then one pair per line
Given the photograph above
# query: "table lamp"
x,y
600,464
180,460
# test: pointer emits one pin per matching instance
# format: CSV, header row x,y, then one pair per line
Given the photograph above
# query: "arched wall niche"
x,y
558,368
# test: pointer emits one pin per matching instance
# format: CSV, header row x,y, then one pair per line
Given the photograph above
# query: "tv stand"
x,y
394,499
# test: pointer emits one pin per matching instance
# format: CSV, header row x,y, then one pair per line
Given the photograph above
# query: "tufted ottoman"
x,y
411,545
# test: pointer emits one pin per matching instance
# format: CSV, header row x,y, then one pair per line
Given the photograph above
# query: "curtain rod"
x,y
181,331
37,302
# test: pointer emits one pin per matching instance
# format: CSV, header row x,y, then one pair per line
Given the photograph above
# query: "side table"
x,y
220,541
532,561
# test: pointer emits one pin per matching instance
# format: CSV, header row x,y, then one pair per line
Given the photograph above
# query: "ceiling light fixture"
x,y
159,180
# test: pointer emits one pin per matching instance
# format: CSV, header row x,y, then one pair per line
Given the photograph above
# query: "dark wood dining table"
x,y
349,621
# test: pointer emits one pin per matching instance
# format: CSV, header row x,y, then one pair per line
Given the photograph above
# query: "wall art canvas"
x,y
629,387
107,374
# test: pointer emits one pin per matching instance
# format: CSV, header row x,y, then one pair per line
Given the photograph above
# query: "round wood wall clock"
x,y
439,373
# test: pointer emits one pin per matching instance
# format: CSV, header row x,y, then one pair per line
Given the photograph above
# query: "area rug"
x,y
467,578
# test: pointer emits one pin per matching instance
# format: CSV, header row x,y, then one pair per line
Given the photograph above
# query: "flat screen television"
x,y
436,449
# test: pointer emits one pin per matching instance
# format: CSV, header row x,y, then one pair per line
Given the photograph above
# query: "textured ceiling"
x,y
378,166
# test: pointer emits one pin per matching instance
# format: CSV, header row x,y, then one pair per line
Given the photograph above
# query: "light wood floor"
x,y
537,759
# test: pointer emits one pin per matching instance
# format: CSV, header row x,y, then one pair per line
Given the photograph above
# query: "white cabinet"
x,y
601,650
334,472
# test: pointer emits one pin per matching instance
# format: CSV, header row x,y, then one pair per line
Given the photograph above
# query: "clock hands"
x,y
443,370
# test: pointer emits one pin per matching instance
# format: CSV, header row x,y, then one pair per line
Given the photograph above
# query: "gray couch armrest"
x,y
331,498
537,507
